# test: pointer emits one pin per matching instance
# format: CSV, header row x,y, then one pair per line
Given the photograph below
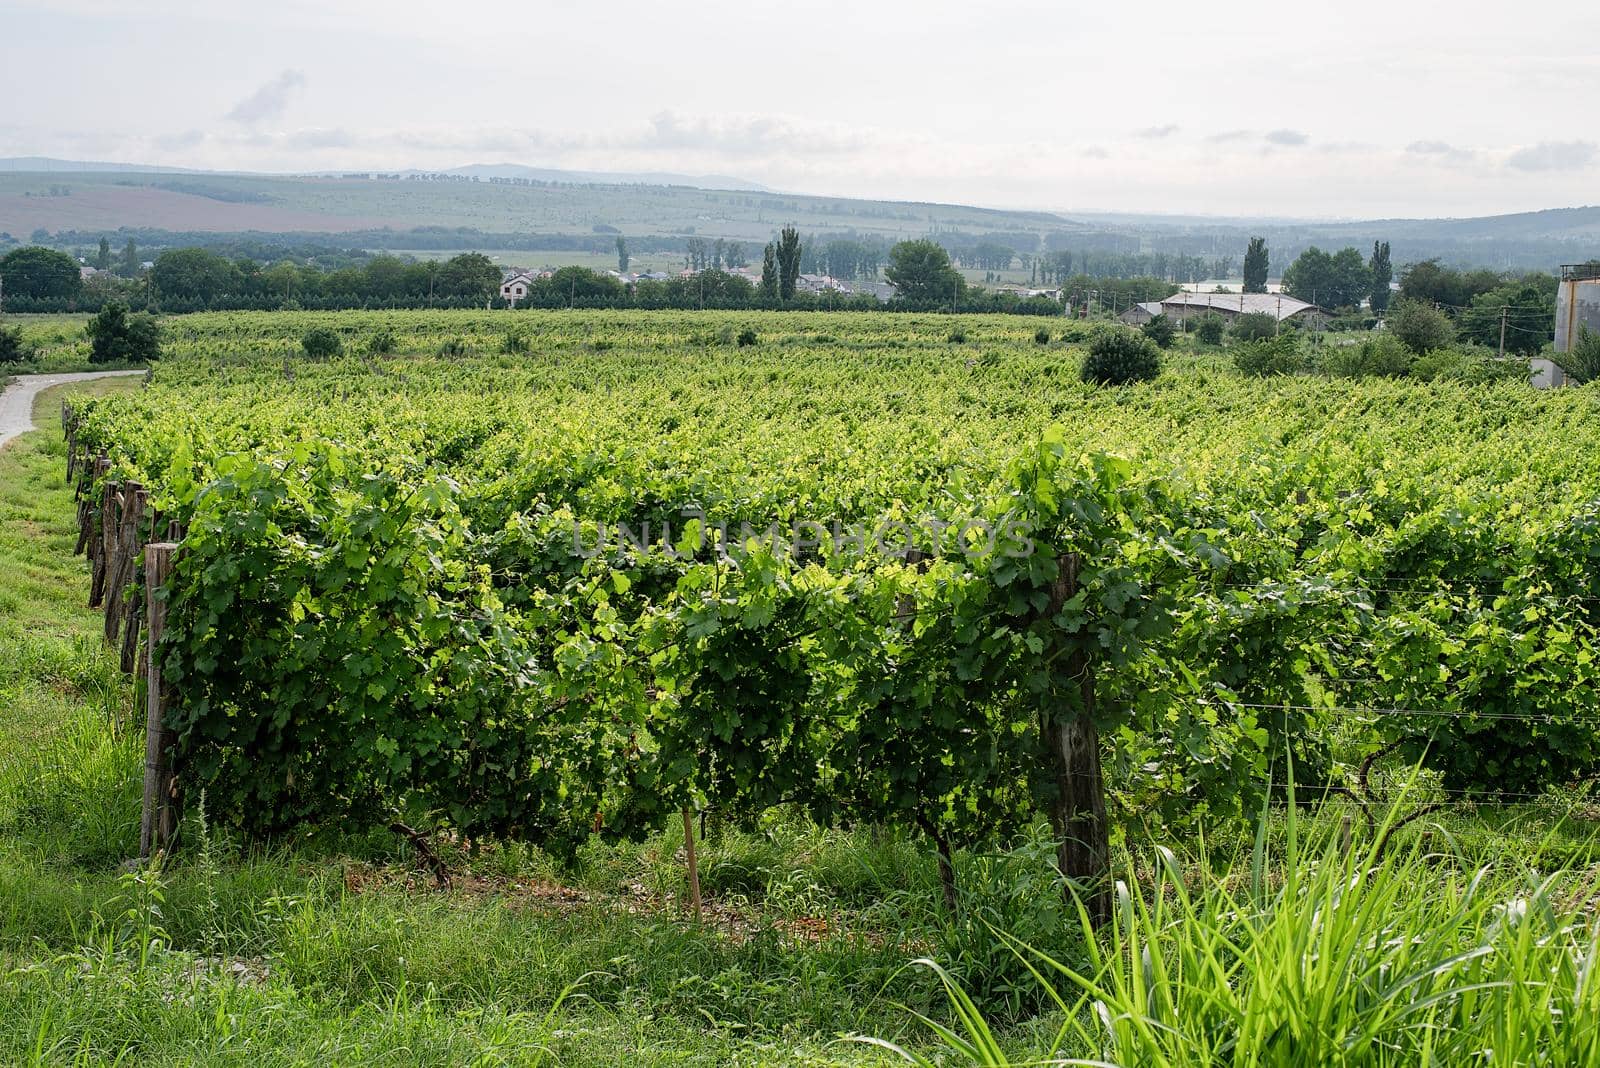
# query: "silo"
x,y
1577,303
1577,306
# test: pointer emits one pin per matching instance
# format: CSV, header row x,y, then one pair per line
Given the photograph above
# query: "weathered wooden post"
x,y
1346,825
692,861
124,561
91,472
159,818
102,541
1072,748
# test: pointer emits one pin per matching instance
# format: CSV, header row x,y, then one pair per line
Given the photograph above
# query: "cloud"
x,y
1095,152
318,138
1286,138
1156,133
269,101
1229,135
1555,156
746,135
1442,151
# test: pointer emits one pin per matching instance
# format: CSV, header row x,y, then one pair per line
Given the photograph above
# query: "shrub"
x,y
12,348
1379,356
1041,336
321,343
1208,328
1273,356
118,337
382,343
1469,363
1581,361
957,337
454,346
747,337
1256,326
1160,330
515,343
1421,327
1118,357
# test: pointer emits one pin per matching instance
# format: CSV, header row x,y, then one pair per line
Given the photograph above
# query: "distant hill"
x,y
49,165
525,208
547,174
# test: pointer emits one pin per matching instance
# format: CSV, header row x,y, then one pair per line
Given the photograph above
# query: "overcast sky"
x,y
1358,109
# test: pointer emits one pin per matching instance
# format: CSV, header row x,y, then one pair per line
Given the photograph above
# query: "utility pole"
x,y
1503,313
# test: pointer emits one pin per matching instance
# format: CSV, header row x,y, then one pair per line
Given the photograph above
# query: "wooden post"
x,y
101,536
1072,750
159,817
692,861
124,563
86,514
1345,826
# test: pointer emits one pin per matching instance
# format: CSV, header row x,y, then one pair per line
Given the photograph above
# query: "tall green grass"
x,y
1317,957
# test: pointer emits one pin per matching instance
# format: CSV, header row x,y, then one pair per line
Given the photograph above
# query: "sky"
x,y
1360,110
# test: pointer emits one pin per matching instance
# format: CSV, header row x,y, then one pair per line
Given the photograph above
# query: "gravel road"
x,y
16,404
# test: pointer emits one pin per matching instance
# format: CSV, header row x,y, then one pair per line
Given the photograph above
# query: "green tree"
x,y
922,273
13,349
788,252
769,272
40,274
573,284
1255,266
470,277
102,259
1420,327
1208,328
1527,314
1430,283
128,266
1255,326
622,254
196,275
1382,274
1118,356
1338,280
118,337
385,278
1160,330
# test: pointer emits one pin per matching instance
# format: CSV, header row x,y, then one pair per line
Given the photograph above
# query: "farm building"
x,y
1232,305
1142,313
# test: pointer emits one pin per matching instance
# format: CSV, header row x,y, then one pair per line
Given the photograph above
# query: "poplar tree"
x,y
788,253
1382,273
1255,266
769,272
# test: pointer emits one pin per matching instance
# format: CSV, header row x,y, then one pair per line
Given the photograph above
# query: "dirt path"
x,y
16,404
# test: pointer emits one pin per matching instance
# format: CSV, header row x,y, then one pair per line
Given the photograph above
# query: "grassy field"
x,y
1263,943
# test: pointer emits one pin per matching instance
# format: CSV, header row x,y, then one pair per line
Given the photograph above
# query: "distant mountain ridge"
x,y
49,165
535,208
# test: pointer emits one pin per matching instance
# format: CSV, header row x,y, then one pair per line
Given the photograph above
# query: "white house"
x,y
516,287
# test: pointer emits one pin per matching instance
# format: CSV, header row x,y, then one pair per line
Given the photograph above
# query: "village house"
x,y
516,287
1141,313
